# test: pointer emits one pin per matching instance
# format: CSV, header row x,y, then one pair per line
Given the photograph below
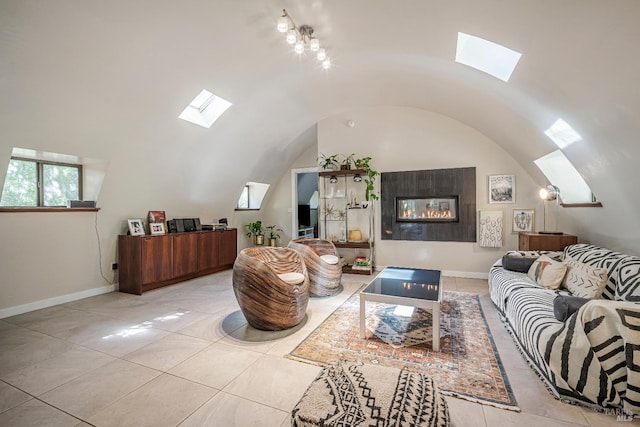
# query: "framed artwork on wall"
x,y
522,220
502,188
135,227
156,228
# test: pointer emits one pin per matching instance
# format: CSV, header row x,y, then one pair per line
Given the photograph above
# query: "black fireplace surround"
x,y
429,205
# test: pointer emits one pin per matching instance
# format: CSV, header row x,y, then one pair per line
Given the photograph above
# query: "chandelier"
x,y
302,39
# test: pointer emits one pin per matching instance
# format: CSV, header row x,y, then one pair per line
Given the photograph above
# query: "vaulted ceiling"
x,y
116,74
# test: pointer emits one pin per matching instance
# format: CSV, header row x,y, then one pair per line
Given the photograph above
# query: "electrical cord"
x,y
113,281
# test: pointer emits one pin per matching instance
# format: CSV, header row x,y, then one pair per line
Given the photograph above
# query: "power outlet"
x,y
114,266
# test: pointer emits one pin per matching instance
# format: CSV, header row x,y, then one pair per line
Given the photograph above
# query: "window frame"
x,y
39,181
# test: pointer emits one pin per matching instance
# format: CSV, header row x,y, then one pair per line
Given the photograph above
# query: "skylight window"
x,y
205,109
562,134
561,173
486,56
252,195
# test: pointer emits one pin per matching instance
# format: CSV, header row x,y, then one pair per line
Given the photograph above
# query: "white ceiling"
x,y
125,69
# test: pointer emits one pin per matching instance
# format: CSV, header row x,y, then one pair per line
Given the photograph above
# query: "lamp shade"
x,y
550,192
291,36
283,24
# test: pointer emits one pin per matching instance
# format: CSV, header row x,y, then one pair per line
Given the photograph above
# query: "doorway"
x,y
304,195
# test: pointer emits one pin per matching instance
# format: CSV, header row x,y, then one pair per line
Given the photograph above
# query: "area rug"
x,y
467,366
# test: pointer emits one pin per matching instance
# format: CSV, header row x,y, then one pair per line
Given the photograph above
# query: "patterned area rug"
x,y
468,365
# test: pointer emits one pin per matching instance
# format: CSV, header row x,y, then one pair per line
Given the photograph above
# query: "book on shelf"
x,y
361,267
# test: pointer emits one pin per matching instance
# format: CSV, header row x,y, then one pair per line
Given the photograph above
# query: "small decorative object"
x,y
255,230
274,234
156,228
522,220
502,188
347,162
328,162
156,217
355,235
135,227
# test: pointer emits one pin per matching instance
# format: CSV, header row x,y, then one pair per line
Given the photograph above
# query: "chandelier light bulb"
x,y
299,47
283,24
292,36
322,55
326,64
314,45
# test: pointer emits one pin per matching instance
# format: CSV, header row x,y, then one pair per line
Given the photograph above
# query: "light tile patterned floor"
x,y
184,355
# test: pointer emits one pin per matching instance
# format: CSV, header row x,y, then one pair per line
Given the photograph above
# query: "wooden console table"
x,y
544,242
149,262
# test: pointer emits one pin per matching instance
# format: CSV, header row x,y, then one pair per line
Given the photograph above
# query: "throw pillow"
x,y
330,259
565,305
547,272
585,281
628,287
518,263
292,278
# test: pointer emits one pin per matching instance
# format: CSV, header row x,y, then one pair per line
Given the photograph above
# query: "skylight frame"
x,y
486,56
205,109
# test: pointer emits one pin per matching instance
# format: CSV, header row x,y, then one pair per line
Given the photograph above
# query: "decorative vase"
x,y
259,239
272,242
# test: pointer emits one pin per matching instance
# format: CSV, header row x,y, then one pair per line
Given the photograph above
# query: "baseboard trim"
x,y
452,273
50,302
465,274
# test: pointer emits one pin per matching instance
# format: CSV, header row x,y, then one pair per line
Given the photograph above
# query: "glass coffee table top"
x,y
406,283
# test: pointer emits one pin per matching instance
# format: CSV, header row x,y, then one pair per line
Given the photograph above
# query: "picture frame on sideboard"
x,y
157,228
136,228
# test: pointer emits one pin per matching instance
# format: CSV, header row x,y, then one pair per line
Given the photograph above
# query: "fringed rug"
x,y
355,394
467,366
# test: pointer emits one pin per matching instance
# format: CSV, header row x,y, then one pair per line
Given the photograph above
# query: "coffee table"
x,y
413,287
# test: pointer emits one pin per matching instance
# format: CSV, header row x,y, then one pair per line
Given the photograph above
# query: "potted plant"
x,y
347,162
328,162
369,180
255,230
369,193
274,234
362,163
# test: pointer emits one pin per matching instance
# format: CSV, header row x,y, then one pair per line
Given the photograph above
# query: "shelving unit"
x,y
343,213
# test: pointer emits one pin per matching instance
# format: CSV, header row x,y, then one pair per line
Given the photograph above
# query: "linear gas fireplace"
x,y
427,209
437,205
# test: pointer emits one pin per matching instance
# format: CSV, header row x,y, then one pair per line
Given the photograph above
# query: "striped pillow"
x,y
628,288
585,281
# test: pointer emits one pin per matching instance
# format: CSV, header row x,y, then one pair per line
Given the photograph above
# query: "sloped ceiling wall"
x,y
107,80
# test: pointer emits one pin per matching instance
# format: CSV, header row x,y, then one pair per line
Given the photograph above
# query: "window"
x,y
491,58
205,109
561,173
30,183
252,195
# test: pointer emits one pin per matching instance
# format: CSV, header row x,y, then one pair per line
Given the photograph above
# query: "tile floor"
x,y
184,355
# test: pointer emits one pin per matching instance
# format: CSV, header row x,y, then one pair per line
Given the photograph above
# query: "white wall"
x,y
277,209
402,139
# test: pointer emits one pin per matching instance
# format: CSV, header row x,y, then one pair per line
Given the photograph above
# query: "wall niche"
x,y
430,205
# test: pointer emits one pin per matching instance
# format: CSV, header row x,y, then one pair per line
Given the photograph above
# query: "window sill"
x,y
46,209
247,209
581,205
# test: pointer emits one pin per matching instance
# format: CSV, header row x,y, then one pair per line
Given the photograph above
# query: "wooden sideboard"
x,y
149,262
544,242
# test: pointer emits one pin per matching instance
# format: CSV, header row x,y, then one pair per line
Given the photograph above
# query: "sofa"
x,y
593,357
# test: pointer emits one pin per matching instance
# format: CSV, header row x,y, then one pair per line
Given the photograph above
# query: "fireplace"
x,y
427,209
437,205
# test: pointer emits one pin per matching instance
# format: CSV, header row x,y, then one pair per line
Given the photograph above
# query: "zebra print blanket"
x,y
593,358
